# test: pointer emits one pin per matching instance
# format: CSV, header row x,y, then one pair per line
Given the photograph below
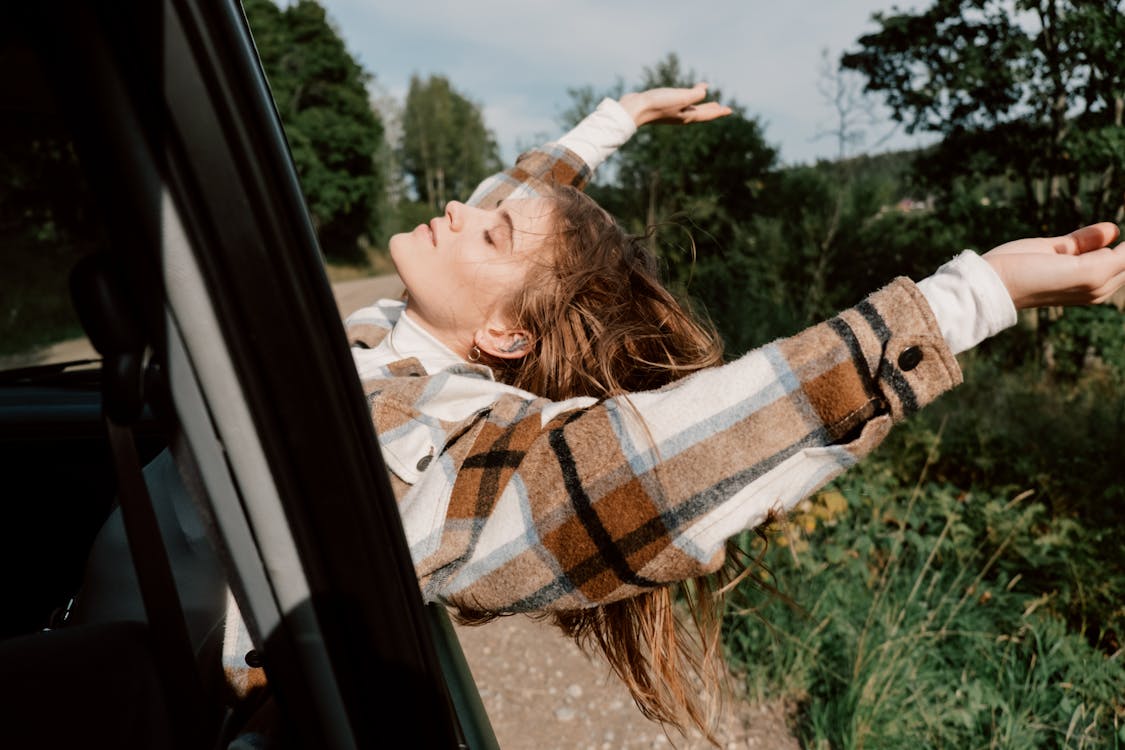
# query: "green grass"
x,y
37,311
928,616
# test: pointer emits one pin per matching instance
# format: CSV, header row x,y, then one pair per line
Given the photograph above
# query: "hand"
x,y
672,106
1076,269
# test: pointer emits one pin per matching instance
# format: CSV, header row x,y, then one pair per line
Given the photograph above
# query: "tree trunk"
x,y
1110,173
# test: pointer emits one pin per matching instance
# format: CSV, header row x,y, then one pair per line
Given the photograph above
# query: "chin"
x,y
396,239
396,245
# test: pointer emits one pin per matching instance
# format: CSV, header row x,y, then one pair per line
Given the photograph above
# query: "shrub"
x,y
932,616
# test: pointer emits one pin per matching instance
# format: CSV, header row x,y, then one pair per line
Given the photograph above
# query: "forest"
x,y
965,585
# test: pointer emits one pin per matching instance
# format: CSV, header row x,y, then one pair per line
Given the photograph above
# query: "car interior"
x,y
149,206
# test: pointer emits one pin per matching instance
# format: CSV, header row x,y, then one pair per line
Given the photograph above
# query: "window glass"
x,y
47,219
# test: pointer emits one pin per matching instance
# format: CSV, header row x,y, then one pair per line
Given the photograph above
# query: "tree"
x,y
1028,93
334,135
446,148
692,184
852,108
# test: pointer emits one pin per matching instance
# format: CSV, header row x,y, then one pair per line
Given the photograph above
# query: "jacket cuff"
x,y
602,132
908,357
969,301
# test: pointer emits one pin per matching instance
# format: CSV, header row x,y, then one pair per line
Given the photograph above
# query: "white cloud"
x,y
518,59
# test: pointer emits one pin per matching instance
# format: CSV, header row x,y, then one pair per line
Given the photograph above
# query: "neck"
x,y
457,343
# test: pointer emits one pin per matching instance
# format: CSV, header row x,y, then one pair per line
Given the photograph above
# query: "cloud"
x,y
518,59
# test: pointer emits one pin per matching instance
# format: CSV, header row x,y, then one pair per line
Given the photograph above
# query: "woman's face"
x,y
462,269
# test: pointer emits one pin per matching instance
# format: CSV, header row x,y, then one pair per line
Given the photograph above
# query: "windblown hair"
x,y
603,325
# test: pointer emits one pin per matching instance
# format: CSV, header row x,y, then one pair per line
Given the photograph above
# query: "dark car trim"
x,y
213,137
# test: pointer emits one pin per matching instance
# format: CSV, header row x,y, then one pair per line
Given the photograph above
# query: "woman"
x,y
562,437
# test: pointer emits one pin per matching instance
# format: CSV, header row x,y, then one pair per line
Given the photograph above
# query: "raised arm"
x,y
572,159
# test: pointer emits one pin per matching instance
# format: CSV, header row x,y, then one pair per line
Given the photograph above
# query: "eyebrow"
x,y
507,217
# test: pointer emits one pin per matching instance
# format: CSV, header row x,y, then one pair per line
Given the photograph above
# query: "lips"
x,y
428,231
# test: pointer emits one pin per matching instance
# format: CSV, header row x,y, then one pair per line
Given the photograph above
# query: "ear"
x,y
503,343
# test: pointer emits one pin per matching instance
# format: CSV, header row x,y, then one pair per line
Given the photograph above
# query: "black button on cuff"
x,y
424,461
910,358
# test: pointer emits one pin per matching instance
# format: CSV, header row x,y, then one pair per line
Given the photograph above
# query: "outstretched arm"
x,y
572,159
1075,269
581,502
974,297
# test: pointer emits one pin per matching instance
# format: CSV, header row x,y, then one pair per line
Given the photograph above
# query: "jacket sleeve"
x,y
544,506
571,160
532,176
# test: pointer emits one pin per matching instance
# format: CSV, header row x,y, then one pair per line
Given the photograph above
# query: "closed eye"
x,y
503,234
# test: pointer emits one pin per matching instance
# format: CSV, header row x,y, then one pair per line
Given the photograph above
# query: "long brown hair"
x,y
603,325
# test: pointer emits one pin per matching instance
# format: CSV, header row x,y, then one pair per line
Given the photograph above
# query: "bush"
x,y
917,622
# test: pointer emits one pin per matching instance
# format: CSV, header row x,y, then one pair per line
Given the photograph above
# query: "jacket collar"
x,y
404,347
409,339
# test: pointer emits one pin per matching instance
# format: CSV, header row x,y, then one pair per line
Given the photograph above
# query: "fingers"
x,y
705,112
676,106
1037,279
1090,279
1110,288
1103,270
697,92
677,101
1087,238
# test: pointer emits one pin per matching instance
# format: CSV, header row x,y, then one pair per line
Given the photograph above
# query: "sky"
x,y
517,59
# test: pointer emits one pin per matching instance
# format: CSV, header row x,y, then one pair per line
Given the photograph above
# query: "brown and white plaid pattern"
x,y
535,171
515,503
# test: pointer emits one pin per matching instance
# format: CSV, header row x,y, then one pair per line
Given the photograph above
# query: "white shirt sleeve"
x,y
969,301
603,131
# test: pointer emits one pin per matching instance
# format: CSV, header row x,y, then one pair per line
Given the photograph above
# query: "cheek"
x,y
505,279
488,288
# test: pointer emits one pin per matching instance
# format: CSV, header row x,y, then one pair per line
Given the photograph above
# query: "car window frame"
x,y
174,125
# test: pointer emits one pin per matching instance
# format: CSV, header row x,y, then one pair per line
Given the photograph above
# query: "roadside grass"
x,y
37,309
930,616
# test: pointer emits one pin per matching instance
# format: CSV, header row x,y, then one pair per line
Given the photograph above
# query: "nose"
x,y
455,212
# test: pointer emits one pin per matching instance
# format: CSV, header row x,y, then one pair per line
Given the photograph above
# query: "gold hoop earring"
x,y
474,354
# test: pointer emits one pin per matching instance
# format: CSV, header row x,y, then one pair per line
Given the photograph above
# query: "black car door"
x,y
239,352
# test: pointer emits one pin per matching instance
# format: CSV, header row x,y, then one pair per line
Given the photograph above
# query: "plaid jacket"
x,y
516,503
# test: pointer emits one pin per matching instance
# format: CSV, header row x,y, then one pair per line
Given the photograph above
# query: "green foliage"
x,y
823,237
334,135
37,308
446,148
1031,90
919,622
1085,337
1016,429
47,222
409,214
692,185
